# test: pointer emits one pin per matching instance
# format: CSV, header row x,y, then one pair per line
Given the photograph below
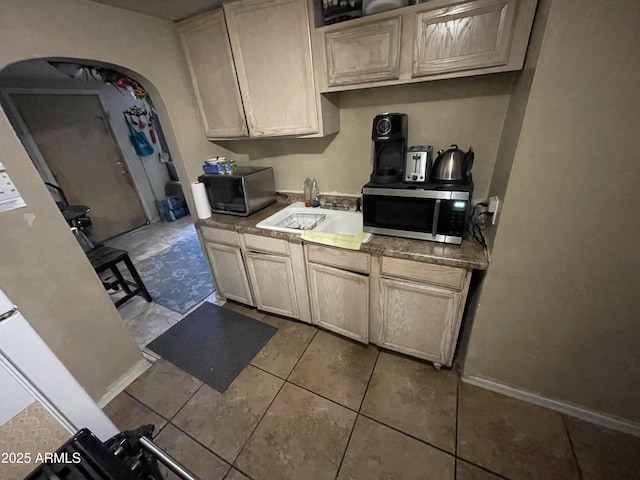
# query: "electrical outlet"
x,y
494,203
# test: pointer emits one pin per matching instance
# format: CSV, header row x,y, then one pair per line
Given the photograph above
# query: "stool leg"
x,y
137,279
121,280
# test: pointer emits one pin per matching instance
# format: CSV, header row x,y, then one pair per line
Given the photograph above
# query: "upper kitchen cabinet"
x,y
206,46
462,37
429,41
364,53
253,60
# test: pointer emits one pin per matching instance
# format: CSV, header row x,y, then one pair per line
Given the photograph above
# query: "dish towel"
x,y
351,242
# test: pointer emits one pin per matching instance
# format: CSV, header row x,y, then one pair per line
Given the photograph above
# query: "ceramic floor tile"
x,y
200,461
302,436
216,299
415,398
235,475
284,349
336,368
244,310
164,387
512,438
224,421
602,453
152,323
127,413
379,452
140,243
467,471
133,307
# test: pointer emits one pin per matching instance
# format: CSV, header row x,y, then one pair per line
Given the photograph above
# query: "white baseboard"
x,y
150,355
118,387
609,421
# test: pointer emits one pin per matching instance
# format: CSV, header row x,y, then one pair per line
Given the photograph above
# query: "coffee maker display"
x,y
389,135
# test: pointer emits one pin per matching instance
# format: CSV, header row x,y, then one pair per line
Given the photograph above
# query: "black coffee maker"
x,y
389,135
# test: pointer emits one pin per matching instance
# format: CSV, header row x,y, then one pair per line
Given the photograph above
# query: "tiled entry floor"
x,y
312,405
148,320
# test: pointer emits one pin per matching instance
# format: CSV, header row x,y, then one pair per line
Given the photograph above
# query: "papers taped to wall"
x,y
10,198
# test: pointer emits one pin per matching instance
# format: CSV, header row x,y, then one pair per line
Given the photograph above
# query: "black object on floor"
x,y
213,344
103,258
84,457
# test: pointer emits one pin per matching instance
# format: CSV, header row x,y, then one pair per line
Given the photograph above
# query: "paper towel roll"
x,y
203,209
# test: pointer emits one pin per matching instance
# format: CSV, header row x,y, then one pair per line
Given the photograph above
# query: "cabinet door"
x,y
461,37
208,53
271,46
228,269
340,301
272,282
364,53
419,320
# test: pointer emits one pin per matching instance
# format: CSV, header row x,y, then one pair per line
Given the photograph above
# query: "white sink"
x,y
296,218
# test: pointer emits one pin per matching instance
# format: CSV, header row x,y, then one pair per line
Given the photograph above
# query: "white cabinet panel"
x,y
210,62
461,37
229,272
340,301
419,320
363,53
271,46
273,286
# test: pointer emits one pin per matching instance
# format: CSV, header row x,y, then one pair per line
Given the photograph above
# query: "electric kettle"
x,y
452,166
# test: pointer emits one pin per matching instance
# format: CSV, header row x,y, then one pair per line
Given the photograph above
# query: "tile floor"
x,y
148,320
312,405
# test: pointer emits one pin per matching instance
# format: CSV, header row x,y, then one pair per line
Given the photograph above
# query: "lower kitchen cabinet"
x,y
419,320
417,307
407,306
229,272
340,301
273,283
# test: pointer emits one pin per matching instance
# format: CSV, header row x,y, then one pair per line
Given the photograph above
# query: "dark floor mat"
x,y
213,344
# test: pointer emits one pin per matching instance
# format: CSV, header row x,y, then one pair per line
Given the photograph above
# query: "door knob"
x,y
120,164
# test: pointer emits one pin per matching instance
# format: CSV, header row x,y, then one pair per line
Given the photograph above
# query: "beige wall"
x,y
468,111
559,309
515,114
43,269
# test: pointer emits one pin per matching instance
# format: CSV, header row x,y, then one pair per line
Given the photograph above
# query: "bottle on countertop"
x,y
308,185
315,194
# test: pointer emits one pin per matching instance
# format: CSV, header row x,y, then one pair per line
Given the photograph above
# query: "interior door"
x,y
74,138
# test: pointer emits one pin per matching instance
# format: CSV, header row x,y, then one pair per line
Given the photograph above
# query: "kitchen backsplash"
x,y
467,111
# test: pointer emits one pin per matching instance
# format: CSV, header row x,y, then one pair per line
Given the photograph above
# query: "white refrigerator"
x,y
31,373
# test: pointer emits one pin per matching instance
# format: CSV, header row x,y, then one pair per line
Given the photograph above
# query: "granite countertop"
x,y
468,255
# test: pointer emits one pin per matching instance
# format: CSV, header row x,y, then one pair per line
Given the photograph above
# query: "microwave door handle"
x,y
436,214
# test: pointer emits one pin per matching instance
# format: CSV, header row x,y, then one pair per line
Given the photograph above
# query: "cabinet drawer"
x,y
218,235
266,244
451,277
337,257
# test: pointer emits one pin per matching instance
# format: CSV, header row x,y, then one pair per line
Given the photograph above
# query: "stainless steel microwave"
x,y
436,215
242,193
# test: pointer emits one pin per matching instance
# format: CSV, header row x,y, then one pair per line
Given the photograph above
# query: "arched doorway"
x,y
77,121
71,119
